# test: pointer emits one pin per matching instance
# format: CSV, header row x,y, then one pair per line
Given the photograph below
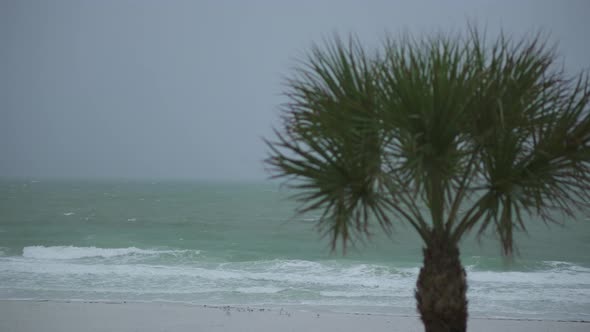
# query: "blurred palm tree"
x,y
446,134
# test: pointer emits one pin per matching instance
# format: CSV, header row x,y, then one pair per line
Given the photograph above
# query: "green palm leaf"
x,y
447,134
333,140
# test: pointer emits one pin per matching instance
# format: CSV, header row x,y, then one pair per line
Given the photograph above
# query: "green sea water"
x,y
241,243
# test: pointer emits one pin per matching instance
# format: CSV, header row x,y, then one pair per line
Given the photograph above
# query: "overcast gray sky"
x,y
187,89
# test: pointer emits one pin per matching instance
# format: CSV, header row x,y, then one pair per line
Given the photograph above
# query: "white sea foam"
x,y
259,290
55,269
292,265
368,276
354,294
69,213
364,279
552,276
566,266
71,252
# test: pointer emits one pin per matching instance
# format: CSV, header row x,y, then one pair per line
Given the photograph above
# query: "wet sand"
x,y
49,316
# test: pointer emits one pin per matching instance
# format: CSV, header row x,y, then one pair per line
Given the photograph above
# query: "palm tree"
x,y
447,134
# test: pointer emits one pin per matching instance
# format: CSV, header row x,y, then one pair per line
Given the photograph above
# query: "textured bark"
x,y
441,288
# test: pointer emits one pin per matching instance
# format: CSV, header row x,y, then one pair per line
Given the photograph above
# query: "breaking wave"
x,y
71,252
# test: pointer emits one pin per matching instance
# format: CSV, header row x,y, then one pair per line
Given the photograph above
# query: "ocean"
x,y
238,243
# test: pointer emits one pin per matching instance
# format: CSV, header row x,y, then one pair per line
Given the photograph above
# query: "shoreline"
x,y
81,315
269,308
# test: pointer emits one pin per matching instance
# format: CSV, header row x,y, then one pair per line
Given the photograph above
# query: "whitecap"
x,y
71,252
259,290
350,294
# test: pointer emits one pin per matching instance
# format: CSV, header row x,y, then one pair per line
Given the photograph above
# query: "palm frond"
x,y
331,144
431,127
531,130
427,87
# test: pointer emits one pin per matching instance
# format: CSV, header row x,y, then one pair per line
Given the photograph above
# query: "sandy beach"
x,y
48,316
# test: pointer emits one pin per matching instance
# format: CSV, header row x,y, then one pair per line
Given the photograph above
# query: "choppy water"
x,y
238,243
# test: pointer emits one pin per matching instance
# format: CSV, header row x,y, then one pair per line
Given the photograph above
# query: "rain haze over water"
x,y
187,89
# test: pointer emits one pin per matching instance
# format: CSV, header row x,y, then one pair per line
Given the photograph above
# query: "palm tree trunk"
x,y
441,288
